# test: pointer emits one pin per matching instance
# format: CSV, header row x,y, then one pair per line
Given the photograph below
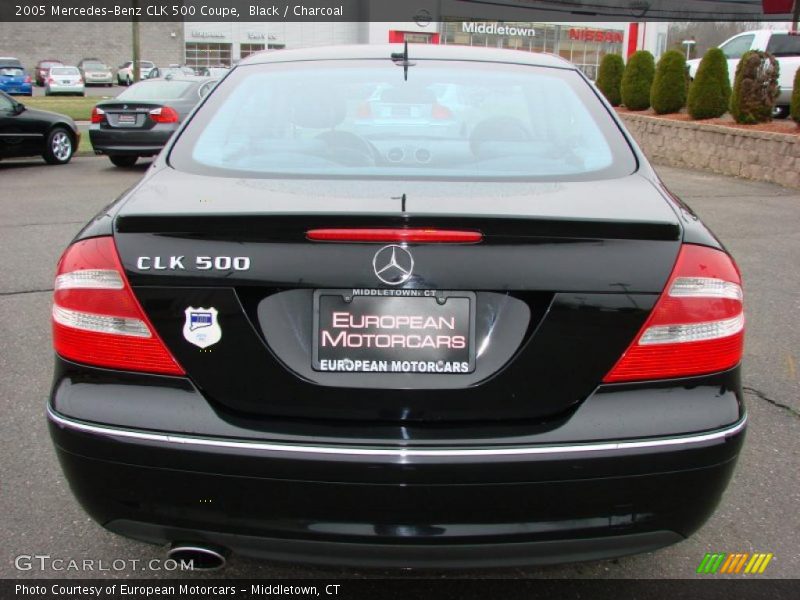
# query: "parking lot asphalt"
x,y
41,209
92,90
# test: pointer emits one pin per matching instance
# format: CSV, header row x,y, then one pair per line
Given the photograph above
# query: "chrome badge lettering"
x,y
200,263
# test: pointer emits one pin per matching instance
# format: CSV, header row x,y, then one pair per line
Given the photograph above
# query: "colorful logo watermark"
x,y
743,563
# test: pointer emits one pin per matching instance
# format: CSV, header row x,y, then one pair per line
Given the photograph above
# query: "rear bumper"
x,y
446,504
785,97
98,80
65,89
129,141
411,555
23,89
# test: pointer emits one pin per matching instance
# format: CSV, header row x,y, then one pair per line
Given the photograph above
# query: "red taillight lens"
x,y
440,112
98,114
395,235
164,114
97,319
364,111
28,79
50,80
697,325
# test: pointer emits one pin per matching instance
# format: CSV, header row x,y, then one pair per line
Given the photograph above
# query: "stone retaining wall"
x,y
763,156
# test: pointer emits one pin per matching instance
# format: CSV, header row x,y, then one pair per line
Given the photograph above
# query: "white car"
x,y
64,80
783,45
125,72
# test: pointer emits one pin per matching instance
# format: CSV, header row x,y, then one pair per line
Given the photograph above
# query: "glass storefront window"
x,y
584,46
246,50
202,54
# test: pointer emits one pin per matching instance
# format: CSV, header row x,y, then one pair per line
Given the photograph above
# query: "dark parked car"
x,y
172,71
141,119
28,132
513,347
42,70
14,80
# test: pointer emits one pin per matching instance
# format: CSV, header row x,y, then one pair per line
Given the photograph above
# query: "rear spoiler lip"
x,y
293,227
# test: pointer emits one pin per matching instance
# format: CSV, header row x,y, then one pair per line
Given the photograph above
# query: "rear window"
x,y
94,65
155,90
460,120
11,71
784,45
64,71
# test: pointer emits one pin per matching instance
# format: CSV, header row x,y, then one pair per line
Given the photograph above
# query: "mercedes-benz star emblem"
x,y
393,264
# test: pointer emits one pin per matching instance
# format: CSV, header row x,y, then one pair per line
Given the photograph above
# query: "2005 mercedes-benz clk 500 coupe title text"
x,y
423,306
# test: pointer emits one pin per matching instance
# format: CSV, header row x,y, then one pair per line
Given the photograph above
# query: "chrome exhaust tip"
x,y
202,558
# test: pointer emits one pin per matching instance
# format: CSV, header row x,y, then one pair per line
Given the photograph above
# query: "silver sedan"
x,y
64,80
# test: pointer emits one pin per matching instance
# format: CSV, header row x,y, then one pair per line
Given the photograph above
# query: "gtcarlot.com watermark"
x,y
46,562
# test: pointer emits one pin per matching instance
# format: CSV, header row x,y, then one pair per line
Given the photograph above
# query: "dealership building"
x,y
584,44
225,43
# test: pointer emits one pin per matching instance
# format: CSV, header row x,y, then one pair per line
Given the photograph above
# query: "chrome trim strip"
x,y
115,432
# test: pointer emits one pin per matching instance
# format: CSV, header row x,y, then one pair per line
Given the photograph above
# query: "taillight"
x,y
80,80
441,113
164,114
28,79
50,80
364,111
98,114
96,317
697,325
395,235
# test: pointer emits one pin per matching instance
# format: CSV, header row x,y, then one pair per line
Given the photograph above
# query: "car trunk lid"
x,y
129,115
562,280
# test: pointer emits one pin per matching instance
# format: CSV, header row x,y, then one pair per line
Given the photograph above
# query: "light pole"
x,y
688,44
135,72
796,16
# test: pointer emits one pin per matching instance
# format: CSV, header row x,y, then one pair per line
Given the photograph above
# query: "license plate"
x,y
66,82
389,331
127,119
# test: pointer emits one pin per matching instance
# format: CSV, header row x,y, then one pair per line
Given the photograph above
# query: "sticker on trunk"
x,y
202,327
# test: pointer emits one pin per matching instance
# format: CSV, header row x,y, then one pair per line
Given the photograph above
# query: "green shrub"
x,y
637,80
755,88
609,78
796,98
668,94
710,92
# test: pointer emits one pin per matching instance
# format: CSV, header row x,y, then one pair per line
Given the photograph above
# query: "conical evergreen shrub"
x,y
637,80
609,78
795,110
668,94
710,92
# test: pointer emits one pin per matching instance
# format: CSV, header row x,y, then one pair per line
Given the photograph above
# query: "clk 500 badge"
x,y
201,263
202,327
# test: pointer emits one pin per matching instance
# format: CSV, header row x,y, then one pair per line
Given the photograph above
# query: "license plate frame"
x,y
445,307
126,119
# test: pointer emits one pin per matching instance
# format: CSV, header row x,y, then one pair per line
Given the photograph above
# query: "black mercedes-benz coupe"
x,y
422,307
